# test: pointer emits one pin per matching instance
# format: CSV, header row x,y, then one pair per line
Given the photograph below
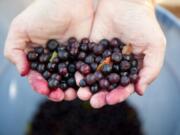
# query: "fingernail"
x,y
143,88
22,69
56,95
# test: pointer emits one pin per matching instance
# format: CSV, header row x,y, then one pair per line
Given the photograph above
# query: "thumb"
x,y
14,48
152,64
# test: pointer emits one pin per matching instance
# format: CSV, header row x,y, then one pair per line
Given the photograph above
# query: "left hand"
x,y
133,21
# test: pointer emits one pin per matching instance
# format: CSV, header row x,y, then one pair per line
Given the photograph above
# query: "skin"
x,y
43,20
133,21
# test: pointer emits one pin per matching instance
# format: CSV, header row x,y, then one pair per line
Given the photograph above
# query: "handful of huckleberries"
x,y
105,65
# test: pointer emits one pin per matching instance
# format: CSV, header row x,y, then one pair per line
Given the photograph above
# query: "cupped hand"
x,y
43,20
133,21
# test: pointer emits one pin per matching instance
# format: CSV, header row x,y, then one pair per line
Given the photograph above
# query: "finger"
x,y
70,94
56,95
84,93
83,20
78,77
14,49
98,100
101,26
18,57
152,64
119,94
38,83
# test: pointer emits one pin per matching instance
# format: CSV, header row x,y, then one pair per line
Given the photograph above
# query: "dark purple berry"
x,y
61,48
82,83
98,59
44,58
72,40
56,60
85,41
46,75
125,65
53,83
94,88
46,51
127,57
71,82
52,44
104,84
67,76
41,68
107,68
116,68
115,42
73,48
91,45
56,76
39,50
124,80
116,57
112,86
124,73
133,78
134,63
63,71
72,68
133,70
84,47
63,85
60,65
116,50
63,55
85,69
114,78
98,75
79,64
107,53
32,56
90,79
89,59
104,42
34,65
66,63
81,55
98,49
52,67
94,66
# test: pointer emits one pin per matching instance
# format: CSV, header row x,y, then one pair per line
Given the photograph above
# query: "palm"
x,y
133,23
42,21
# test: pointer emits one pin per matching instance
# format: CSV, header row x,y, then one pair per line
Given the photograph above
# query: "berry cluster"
x,y
55,63
105,65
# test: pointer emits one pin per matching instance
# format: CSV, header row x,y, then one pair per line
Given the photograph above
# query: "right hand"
x,y
43,20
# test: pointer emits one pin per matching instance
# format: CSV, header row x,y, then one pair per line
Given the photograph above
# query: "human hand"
x,y
133,21
43,20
